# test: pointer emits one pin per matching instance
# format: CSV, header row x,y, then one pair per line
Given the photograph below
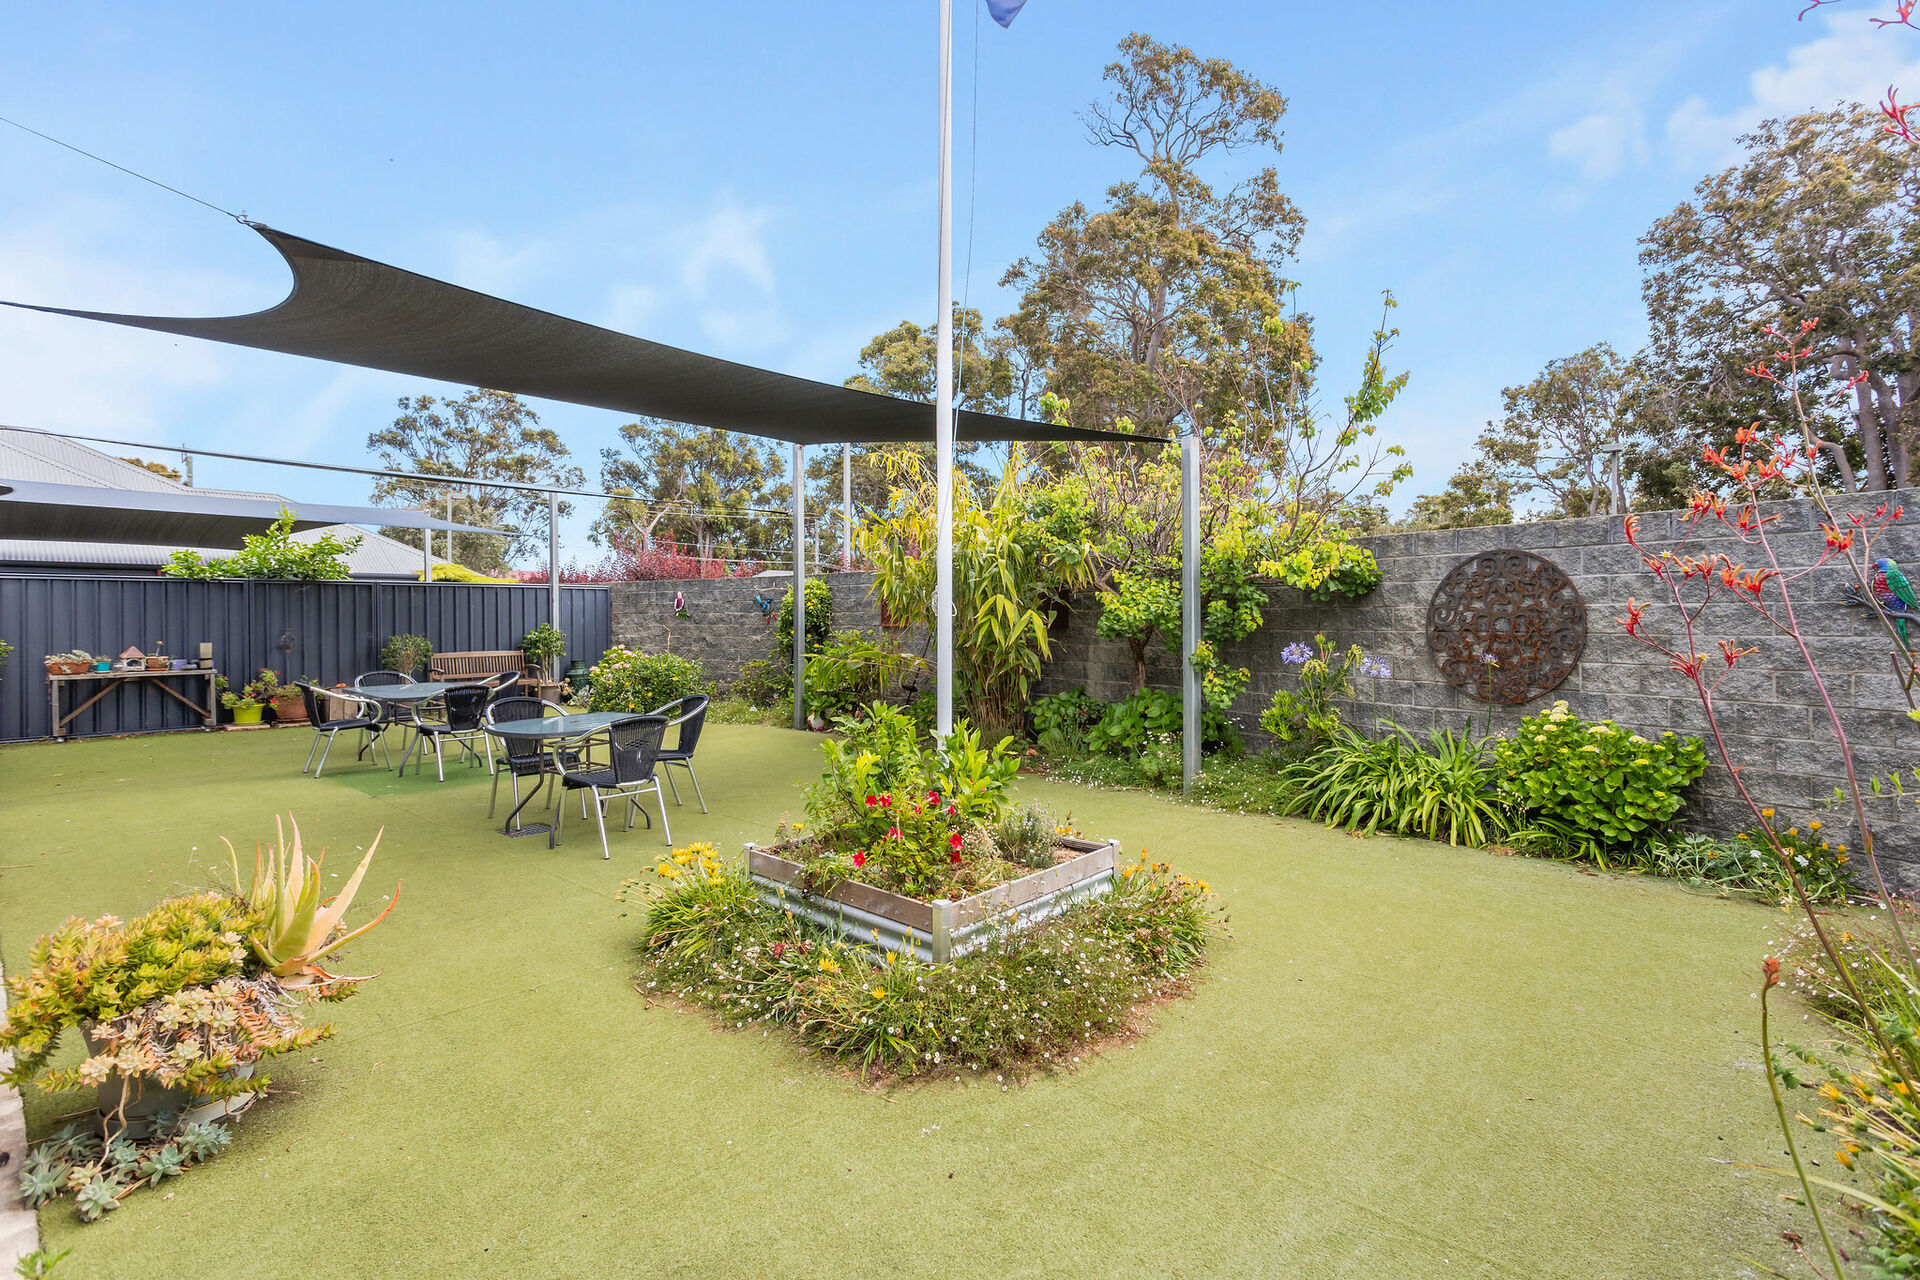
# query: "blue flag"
x,y
1005,11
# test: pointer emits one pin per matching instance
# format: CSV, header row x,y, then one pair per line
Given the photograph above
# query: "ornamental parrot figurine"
x,y
1892,593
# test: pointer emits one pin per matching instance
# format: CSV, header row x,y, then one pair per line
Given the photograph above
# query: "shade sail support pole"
x,y
943,401
553,563
799,587
846,507
1190,701
426,555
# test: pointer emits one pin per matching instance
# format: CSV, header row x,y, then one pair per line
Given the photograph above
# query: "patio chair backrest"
x,y
466,706
373,679
690,713
636,744
522,753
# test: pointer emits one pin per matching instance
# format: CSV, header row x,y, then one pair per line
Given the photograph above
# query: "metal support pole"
x,y
846,506
799,586
426,555
553,567
1189,609
450,559
943,401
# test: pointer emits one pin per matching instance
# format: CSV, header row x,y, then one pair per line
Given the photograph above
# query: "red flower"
x,y
779,949
873,800
954,840
954,857
886,802
893,833
933,797
860,858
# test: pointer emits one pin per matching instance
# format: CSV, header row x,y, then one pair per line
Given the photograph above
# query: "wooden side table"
x,y
111,680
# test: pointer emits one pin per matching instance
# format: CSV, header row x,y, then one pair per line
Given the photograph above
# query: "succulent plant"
x,y
97,1199
167,1162
41,1181
300,928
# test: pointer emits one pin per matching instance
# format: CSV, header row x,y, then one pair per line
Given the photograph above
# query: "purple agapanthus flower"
x,y
1295,654
1376,667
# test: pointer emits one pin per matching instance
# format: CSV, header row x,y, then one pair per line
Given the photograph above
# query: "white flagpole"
x,y
943,399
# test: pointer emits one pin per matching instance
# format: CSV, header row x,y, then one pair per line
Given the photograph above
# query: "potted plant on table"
x,y
70,663
406,653
178,1008
253,697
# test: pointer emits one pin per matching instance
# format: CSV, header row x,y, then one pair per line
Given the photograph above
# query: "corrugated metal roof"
x,y
53,460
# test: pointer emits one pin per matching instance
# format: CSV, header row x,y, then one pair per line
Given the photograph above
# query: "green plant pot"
x,y
248,715
122,1103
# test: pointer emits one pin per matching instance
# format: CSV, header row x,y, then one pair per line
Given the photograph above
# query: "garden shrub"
x,y
1442,789
1027,999
1592,787
626,680
763,682
849,670
406,653
819,622
1061,721
1746,865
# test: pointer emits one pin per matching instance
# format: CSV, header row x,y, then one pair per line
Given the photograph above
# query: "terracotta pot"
x,y
158,664
66,668
290,710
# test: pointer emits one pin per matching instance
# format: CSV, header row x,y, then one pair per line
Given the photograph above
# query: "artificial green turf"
x,y
1410,1061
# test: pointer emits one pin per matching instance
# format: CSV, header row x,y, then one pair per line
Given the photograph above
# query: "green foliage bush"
x,y
1061,721
626,680
819,622
406,653
542,645
763,682
1592,787
1027,999
1327,568
273,554
1442,789
850,670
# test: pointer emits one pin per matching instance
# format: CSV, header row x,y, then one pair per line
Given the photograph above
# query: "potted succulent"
x,y
407,653
179,1007
253,697
70,663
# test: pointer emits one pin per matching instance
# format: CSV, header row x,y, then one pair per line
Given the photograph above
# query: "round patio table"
x,y
550,732
407,695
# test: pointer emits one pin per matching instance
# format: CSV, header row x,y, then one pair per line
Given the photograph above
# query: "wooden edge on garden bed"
x,y
1091,858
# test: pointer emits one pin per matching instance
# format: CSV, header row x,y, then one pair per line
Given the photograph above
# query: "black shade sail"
x,y
353,310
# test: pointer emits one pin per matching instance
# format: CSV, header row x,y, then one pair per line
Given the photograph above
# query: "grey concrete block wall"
x,y
724,627
1776,724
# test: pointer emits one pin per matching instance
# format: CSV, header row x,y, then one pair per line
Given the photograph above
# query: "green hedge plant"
x,y
1595,789
627,680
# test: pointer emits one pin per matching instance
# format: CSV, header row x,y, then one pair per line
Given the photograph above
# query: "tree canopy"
x,y
486,435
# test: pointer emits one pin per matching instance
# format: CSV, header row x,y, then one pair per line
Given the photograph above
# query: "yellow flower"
x,y
1814,825
1766,813
878,993
799,826
682,856
829,965
1793,831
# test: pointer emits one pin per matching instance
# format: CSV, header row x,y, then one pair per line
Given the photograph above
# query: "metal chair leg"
x,y
559,819
493,797
666,827
323,754
666,771
696,784
439,761
310,750
600,821
385,751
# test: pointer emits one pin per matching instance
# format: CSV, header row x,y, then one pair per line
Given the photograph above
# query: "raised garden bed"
x,y
940,930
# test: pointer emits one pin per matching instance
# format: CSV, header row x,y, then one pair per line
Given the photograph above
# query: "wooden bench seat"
x,y
478,664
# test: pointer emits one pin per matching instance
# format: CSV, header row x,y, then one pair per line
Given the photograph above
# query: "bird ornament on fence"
x,y
766,607
1892,594
680,605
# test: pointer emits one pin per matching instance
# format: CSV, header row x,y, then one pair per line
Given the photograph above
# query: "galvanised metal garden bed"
x,y
940,930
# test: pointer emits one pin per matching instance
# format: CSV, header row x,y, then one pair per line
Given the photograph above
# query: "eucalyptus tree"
x,y
487,435
715,492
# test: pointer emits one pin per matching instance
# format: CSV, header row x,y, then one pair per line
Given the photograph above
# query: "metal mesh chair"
x,y
456,715
519,757
634,746
690,714
368,722
386,715
373,679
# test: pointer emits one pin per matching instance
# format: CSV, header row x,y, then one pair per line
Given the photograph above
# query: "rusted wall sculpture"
x,y
1515,608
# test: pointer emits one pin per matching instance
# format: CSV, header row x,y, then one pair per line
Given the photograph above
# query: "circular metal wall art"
x,y
1520,608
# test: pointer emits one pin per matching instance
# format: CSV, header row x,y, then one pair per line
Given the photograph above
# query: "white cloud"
x,y
729,242
1601,143
1854,61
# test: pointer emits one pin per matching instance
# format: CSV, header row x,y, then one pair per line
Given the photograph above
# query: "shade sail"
x,y
353,310
87,513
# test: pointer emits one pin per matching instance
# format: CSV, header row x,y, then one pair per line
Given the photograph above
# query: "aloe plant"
x,y
299,927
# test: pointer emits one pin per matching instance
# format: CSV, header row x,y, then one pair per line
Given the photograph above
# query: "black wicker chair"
x,y
690,714
634,746
457,716
520,757
388,715
368,722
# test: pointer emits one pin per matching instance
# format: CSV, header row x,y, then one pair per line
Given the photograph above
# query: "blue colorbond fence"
x,y
336,629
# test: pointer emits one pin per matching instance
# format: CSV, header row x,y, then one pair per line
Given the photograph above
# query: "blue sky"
x,y
755,180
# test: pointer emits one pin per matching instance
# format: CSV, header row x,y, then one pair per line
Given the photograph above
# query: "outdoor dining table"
x,y
407,695
550,731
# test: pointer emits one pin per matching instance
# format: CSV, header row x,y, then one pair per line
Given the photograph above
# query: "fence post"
x,y
942,940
